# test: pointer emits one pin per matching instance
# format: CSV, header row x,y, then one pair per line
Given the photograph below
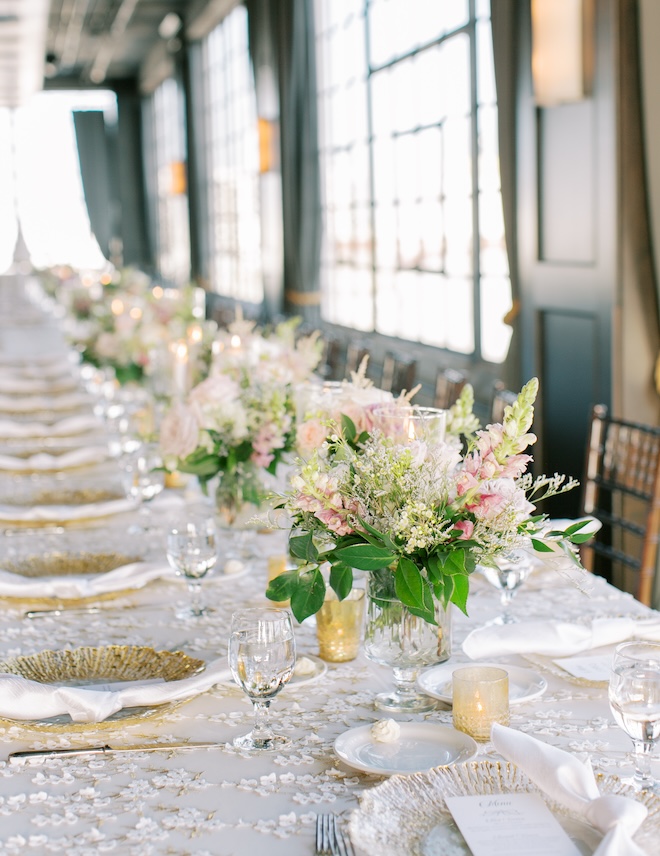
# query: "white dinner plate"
x,y
420,746
307,675
524,684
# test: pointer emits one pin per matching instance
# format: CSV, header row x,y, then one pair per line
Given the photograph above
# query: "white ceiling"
x,y
23,28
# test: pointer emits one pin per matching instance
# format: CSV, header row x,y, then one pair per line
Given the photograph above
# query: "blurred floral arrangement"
x,y
430,513
123,321
240,421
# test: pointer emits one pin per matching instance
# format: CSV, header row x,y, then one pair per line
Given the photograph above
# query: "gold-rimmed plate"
x,y
95,666
408,815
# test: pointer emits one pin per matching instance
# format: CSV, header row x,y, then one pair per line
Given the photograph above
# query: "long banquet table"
x,y
219,801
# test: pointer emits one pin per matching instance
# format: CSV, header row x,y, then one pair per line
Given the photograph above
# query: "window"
x,y
230,161
410,173
167,198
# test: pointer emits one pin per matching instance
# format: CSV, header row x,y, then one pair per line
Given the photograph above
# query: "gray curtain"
x,y
504,20
283,33
95,173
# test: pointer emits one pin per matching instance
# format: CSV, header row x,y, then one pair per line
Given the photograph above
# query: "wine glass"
x,y
634,694
262,656
192,550
510,572
144,479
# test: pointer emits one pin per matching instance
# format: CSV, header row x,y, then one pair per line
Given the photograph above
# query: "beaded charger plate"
x,y
408,816
90,666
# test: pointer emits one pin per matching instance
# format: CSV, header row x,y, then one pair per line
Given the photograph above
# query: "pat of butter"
x,y
385,731
233,566
304,667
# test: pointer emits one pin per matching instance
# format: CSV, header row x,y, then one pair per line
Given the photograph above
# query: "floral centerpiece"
x,y
422,515
239,423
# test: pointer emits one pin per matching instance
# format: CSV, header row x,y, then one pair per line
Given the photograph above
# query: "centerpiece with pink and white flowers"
x,y
239,423
421,515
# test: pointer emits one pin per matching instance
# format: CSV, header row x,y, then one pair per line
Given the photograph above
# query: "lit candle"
x,y
117,306
198,303
480,697
195,333
180,368
235,342
157,292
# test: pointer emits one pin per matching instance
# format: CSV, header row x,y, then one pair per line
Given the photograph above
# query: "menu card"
x,y
593,668
510,825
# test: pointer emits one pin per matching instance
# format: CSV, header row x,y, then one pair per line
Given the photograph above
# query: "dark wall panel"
x,y
569,347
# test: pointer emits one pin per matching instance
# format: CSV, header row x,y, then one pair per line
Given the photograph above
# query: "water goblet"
x,y
192,551
509,573
144,479
634,696
405,642
262,656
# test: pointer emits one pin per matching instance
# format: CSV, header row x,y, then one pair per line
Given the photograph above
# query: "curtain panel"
x,y
282,35
504,24
94,161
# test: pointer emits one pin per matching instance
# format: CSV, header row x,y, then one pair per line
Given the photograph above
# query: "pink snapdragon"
x,y
267,440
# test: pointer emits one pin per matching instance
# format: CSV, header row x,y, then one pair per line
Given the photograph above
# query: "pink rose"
x,y
310,435
179,432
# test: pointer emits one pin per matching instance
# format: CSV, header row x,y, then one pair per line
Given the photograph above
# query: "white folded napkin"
x,y
570,782
51,463
22,699
43,402
63,513
557,638
10,429
132,576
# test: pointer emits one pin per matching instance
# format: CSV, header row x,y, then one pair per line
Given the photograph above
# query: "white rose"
x,y
179,432
215,390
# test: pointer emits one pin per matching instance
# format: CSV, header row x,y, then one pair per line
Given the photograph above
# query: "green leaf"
x,y
303,547
281,587
435,570
366,557
341,579
308,596
581,539
461,590
541,547
413,591
348,428
454,562
383,536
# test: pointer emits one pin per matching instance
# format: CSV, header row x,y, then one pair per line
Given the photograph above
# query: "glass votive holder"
x,y
339,626
409,423
480,697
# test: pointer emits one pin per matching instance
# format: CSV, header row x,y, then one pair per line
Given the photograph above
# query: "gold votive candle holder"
x,y
480,697
339,626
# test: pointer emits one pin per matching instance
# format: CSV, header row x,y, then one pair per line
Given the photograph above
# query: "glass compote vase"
x,y
406,643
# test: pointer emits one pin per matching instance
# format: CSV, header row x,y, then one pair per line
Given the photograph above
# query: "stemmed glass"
x,y
634,694
510,572
262,656
144,479
405,642
192,550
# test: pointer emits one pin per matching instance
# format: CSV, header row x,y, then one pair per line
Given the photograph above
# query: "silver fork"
x,y
330,840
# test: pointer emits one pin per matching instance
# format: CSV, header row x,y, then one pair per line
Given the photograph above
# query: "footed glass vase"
x,y
406,643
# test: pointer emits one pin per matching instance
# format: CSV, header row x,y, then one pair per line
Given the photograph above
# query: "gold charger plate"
x,y
87,666
64,564
408,816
